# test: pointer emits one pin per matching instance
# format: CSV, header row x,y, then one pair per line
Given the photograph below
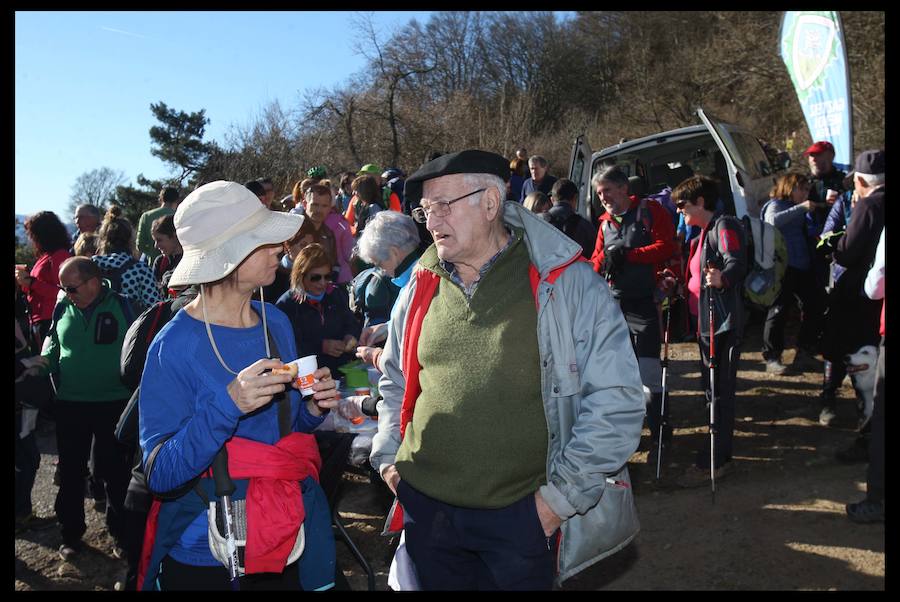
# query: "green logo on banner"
x,y
813,48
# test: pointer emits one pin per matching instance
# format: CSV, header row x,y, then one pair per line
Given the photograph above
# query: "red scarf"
x,y
274,500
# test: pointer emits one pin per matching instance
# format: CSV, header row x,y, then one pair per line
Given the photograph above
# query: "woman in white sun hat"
x,y
206,384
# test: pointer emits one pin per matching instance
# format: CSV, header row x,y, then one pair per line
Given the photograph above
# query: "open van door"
x,y
749,171
580,174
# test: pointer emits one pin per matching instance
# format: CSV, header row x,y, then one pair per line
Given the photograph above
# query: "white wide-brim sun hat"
x,y
219,225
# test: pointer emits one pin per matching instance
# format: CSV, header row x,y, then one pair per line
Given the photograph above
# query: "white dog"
x,y
861,368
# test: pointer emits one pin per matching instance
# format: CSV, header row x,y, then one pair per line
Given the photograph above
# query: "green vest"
x,y
478,437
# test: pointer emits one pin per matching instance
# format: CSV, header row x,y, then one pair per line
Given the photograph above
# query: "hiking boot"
x,y
855,453
695,476
866,511
827,416
775,367
67,552
32,522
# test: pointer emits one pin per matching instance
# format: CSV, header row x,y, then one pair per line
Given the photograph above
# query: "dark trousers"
x,y
27,461
175,576
76,423
727,356
457,548
798,286
875,473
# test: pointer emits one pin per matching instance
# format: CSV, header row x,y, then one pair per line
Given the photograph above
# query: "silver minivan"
x,y
720,150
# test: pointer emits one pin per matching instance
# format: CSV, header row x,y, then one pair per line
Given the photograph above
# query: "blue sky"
x,y
84,82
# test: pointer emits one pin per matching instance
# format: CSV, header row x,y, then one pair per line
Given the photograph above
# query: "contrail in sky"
x,y
127,33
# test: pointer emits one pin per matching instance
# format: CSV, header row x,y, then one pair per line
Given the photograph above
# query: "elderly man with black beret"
x,y
512,398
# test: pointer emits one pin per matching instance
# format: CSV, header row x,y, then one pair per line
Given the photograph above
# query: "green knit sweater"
x,y
478,437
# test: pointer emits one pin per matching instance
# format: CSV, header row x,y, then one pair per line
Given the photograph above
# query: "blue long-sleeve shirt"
x,y
790,219
184,397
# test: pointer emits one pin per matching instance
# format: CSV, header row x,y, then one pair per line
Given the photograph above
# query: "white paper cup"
x,y
305,368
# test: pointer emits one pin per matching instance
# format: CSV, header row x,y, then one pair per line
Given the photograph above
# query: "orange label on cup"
x,y
306,381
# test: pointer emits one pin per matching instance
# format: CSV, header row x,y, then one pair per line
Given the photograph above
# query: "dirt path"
x,y
777,523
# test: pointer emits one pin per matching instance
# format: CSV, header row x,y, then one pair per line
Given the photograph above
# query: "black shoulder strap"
x,y
284,404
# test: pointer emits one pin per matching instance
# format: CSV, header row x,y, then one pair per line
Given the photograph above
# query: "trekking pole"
x,y
662,407
712,392
224,489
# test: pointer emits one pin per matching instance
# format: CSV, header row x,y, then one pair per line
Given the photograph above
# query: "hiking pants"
x,y
76,423
644,328
454,548
727,357
875,473
27,461
802,286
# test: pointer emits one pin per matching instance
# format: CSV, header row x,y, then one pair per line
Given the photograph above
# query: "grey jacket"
x,y
593,398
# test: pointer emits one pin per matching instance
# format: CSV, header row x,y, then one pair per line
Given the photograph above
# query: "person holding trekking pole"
x,y
634,237
208,385
714,276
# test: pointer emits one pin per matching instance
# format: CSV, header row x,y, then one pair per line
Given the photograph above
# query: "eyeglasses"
x,y
316,277
71,289
680,204
438,208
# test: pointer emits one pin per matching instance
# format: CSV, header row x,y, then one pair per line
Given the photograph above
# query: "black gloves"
x,y
614,259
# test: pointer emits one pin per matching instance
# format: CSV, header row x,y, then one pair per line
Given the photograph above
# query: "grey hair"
x,y
484,180
872,180
612,174
537,160
92,209
384,230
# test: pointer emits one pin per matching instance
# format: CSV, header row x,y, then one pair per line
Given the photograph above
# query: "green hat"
x,y
316,172
369,169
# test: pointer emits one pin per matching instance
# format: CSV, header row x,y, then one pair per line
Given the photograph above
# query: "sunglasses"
x,y
680,204
316,277
71,289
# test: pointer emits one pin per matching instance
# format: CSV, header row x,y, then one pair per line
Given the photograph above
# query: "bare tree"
x,y
391,70
96,187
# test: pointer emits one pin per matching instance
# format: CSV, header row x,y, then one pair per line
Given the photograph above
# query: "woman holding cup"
x,y
50,240
208,383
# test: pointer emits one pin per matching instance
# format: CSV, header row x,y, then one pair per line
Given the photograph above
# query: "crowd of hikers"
x,y
477,290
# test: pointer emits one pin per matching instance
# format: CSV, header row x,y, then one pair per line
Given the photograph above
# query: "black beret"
x,y
467,161
870,162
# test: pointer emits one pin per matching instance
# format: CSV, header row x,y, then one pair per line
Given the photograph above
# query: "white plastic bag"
x,y
402,576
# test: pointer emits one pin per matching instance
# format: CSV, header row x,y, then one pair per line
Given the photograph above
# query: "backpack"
x,y
114,275
359,290
358,287
567,226
766,261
